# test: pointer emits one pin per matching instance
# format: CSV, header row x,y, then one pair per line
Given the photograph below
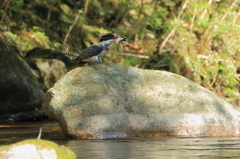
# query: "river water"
x,y
167,147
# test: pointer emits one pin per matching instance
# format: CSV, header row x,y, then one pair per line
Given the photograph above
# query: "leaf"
x,y
65,8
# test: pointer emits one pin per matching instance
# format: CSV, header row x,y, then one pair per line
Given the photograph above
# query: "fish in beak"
x,y
121,39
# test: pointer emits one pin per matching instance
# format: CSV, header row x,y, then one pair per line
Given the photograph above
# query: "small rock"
x,y
48,65
36,149
48,71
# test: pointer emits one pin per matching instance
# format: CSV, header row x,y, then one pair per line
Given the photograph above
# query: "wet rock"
x,y
110,101
35,149
19,88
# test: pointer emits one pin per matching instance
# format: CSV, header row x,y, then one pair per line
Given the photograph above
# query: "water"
x,y
188,148
169,147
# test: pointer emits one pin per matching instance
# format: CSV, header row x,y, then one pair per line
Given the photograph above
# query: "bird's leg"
x,y
99,60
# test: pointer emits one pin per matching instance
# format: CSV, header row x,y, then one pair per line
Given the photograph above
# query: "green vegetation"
x,y
197,39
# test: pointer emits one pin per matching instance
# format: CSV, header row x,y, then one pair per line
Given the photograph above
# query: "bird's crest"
x,y
108,36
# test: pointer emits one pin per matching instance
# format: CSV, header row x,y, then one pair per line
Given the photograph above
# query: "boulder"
x,y
19,88
36,149
110,101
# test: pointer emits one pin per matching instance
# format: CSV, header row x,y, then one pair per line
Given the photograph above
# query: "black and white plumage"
x,y
108,36
95,52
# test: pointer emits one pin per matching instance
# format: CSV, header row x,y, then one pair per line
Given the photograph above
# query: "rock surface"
x,y
110,100
35,149
48,71
49,65
19,88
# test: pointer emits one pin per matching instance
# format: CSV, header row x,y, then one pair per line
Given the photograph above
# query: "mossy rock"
x,y
36,148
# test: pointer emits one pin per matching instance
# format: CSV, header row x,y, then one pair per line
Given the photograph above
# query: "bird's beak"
x,y
121,39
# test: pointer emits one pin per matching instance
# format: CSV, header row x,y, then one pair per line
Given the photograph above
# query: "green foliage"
x,y
27,40
207,45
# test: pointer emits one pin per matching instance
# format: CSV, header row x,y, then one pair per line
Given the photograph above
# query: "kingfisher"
x,y
95,52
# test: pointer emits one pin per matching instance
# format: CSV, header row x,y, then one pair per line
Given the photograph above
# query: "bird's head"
x,y
114,37
108,36
121,39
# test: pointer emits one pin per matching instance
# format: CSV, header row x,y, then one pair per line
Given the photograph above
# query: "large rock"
x,y
110,100
35,149
19,88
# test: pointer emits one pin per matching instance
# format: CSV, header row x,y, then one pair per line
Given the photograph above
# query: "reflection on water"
x,y
207,147
169,147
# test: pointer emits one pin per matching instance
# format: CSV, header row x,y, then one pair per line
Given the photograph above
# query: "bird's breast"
x,y
102,53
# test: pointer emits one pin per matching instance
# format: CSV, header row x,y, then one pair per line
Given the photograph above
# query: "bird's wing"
x,y
91,51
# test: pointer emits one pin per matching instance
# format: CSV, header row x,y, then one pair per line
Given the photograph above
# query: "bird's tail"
x,y
75,55
71,54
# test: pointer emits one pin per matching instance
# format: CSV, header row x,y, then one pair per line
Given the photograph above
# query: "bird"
x,y
94,53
